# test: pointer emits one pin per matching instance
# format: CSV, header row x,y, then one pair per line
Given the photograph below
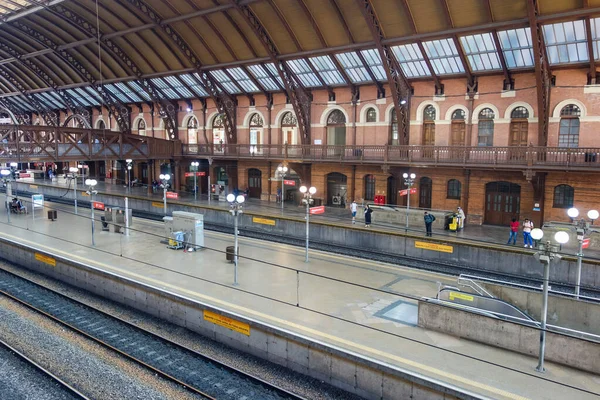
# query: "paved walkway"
x,y
376,319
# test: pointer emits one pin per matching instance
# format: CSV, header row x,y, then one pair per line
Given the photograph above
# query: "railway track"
x,y
70,390
202,375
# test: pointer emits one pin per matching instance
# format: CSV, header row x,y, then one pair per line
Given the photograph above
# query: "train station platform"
x,y
362,307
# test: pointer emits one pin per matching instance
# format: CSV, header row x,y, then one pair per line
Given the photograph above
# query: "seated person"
x,y
20,207
14,205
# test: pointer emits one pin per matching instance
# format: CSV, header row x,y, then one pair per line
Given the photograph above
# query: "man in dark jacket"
x,y
429,218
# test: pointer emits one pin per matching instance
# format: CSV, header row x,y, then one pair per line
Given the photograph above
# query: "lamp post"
x,y
236,209
5,177
164,178
547,252
282,171
73,171
129,162
91,183
581,227
409,181
13,173
308,200
194,168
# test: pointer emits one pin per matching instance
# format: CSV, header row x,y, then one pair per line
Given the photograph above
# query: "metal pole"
x,y
165,197
307,226
195,186
235,246
126,216
75,191
579,259
92,203
407,205
282,191
540,367
8,193
209,189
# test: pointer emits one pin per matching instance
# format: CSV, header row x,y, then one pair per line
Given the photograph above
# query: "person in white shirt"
x,y
353,209
527,227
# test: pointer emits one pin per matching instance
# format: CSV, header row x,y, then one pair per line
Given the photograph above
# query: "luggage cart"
x,y
176,240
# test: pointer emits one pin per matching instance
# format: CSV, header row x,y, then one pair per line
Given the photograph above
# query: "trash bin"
x,y
52,214
447,221
230,253
104,224
454,224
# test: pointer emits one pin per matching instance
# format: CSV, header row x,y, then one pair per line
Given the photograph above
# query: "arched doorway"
x,y
141,127
428,131
336,132
218,133
392,190
254,183
337,187
256,133
502,202
289,129
425,185
192,131
394,128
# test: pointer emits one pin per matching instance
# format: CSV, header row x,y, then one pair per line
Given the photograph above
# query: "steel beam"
x,y
507,77
543,75
401,90
297,94
590,47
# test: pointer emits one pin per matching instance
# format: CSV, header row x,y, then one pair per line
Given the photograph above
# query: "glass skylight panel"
x,y
57,99
444,57
327,70
165,88
22,103
176,84
193,81
225,81
263,77
411,60
595,25
49,101
302,70
139,90
481,52
272,69
566,42
354,67
115,92
243,79
517,47
79,99
128,92
373,60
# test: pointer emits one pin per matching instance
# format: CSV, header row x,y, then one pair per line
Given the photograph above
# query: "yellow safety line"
x,y
288,323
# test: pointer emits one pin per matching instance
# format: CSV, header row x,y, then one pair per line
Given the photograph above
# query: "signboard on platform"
x,y
201,173
317,210
98,205
263,221
37,200
33,186
172,195
405,191
461,296
586,243
289,182
157,204
85,194
45,259
24,175
227,322
434,246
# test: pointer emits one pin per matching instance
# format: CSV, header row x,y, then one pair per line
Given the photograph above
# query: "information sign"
x,y
317,210
172,195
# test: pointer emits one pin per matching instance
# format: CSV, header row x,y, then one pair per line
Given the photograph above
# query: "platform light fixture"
x,y
582,228
74,172
129,162
402,102
235,203
307,200
6,178
164,178
91,184
409,181
194,168
282,172
547,252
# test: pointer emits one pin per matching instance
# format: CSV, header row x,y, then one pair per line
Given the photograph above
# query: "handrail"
x,y
463,281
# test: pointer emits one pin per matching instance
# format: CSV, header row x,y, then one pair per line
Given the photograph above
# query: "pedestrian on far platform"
x,y
429,218
514,230
353,209
527,227
368,212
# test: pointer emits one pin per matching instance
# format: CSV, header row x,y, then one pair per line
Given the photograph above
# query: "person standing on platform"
x,y
353,209
461,218
514,230
429,218
368,212
527,227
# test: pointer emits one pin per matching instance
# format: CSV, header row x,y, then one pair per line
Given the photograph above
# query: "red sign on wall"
x,y
172,195
405,191
289,182
201,173
586,243
317,210
98,205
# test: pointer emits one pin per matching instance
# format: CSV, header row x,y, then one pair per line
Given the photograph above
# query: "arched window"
x,y
454,189
218,132
141,127
369,187
336,130
289,128
394,127
568,135
192,130
485,135
457,137
519,126
101,125
371,115
256,132
563,196
429,126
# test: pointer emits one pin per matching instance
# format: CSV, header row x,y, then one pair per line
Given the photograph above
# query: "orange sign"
x,y
405,191
289,182
317,210
172,195
98,205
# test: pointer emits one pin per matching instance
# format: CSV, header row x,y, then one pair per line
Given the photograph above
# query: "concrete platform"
x,y
362,307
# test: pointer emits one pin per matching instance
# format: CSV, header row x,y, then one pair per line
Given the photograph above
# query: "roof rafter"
x,y
438,84
471,81
590,47
507,77
446,13
401,91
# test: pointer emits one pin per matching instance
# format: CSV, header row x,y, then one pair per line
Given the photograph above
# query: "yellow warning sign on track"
x,y
462,296
264,221
157,205
434,246
227,322
33,186
45,259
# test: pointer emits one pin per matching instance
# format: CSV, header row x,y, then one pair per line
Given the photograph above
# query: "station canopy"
x,y
49,49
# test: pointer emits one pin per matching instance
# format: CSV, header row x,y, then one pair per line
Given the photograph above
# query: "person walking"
x,y
353,209
429,218
368,212
514,230
527,227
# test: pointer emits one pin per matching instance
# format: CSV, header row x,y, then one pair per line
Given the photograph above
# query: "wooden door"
x,y
502,202
428,138
518,138
425,193
254,183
